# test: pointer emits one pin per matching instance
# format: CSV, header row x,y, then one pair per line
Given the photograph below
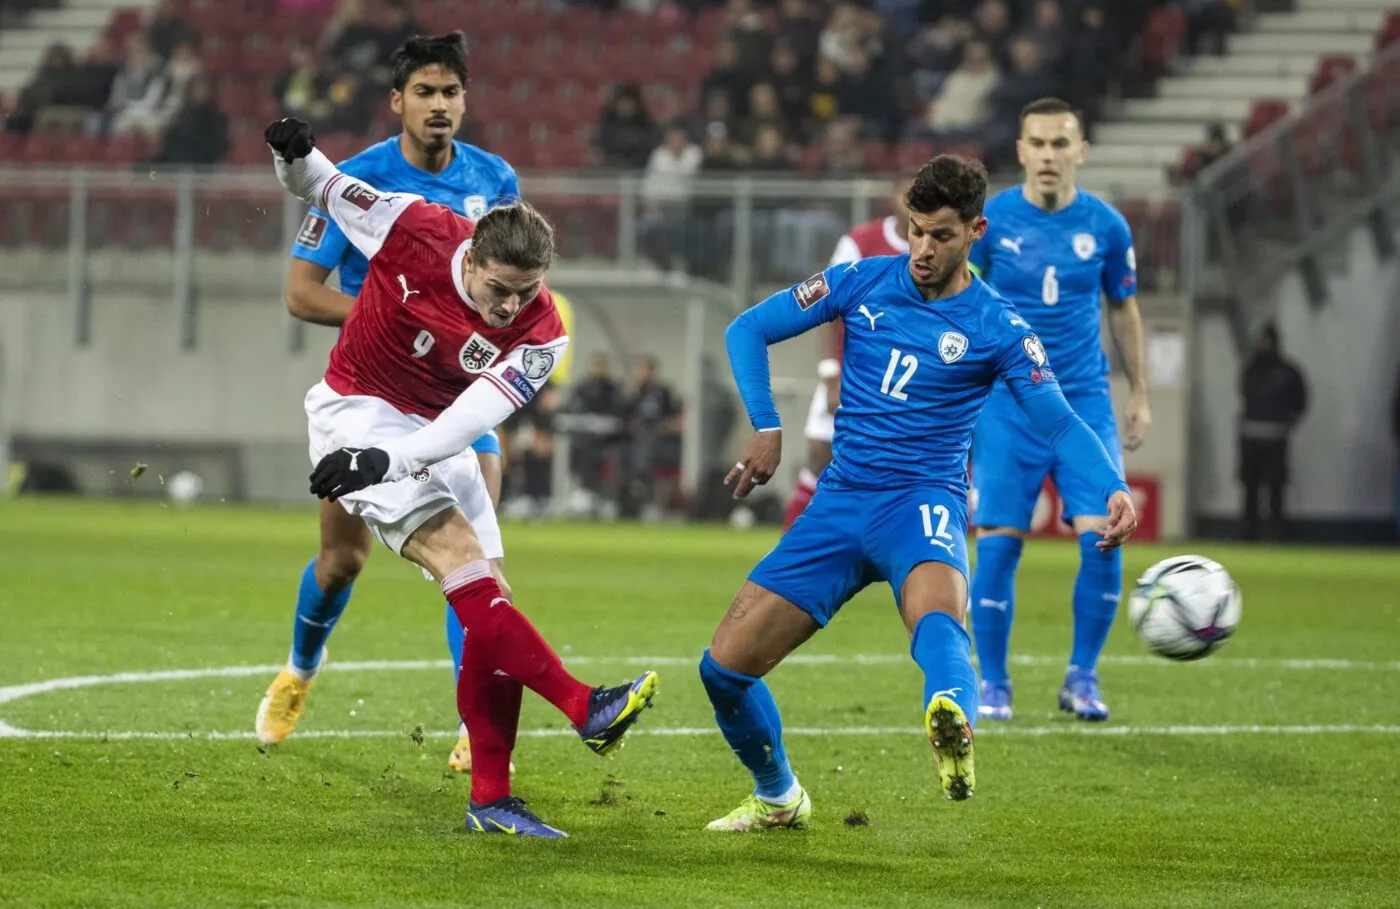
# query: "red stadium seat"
x,y
1162,38
1390,30
910,155
1329,69
1264,114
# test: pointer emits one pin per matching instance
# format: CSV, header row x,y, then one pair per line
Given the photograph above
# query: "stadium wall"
x,y
1342,460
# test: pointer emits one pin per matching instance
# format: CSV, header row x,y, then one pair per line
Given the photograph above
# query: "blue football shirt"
x,y
472,183
915,375
1055,268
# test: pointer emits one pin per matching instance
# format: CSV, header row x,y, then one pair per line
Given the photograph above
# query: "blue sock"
x,y
316,616
994,601
943,651
749,719
1097,590
454,641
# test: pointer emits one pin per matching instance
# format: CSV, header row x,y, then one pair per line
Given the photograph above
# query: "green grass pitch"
x,y
1265,775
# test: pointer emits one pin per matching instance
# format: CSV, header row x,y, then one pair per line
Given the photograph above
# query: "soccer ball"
x,y
1185,607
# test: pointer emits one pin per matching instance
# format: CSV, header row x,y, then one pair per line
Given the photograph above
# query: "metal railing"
x,y
1288,196
219,233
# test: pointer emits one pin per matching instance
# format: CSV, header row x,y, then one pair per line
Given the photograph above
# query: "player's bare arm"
x,y
1125,323
310,300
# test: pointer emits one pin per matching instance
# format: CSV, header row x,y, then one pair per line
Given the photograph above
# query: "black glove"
x,y
291,138
348,470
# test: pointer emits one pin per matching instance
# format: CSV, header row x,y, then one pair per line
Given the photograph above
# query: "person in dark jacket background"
x,y
1275,397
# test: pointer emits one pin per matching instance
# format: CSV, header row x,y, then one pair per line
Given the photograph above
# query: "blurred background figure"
x,y
1275,398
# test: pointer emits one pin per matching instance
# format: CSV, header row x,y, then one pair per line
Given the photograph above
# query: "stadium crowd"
x,y
812,85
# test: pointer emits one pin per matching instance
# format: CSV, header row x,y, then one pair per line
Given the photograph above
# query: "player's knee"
x,y
1104,564
339,566
999,552
719,680
992,533
933,587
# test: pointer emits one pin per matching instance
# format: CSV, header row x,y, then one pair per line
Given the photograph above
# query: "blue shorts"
x,y
488,444
850,538
1010,460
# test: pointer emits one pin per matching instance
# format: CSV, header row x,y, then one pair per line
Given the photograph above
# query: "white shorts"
x,y
821,423
393,511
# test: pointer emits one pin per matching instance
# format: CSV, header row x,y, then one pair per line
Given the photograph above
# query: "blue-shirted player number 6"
x,y
910,364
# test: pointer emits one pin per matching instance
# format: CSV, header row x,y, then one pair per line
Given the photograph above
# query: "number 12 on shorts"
x,y
940,533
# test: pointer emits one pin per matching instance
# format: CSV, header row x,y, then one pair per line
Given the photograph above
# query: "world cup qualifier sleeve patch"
x,y
809,292
313,231
360,196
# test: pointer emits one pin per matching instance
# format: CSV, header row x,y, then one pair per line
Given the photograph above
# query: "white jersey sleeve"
x,y
497,393
846,251
364,214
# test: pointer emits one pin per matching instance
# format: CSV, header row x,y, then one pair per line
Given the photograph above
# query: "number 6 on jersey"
x,y
910,364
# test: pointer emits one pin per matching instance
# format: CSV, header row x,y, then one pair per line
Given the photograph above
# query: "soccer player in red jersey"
x,y
888,236
453,331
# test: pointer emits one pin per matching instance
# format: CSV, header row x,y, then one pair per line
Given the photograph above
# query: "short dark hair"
x,y
516,235
448,51
949,181
1050,106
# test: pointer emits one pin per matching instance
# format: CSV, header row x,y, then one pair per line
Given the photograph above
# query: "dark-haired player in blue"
x,y
1053,251
429,95
925,342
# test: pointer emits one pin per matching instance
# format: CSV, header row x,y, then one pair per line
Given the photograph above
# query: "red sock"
x,y
510,643
801,495
489,703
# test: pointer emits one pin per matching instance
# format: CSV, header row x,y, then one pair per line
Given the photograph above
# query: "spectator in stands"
x,y
764,108
1047,31
824,101
199,132
771,150
626,134
301,87
843,36
181,69
993,28
1092,59
868,93
96,74
841,153
599,404
934,52
1199,157
351,100
166,29
1208,24
720,151
798,29
791,82
1275,398
963,105
46,102
727,78
744,26
653,420
1026,81
666,190
533,444
138,91
351,40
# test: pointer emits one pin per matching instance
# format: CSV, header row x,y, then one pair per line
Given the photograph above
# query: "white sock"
x,y
793,791
305,675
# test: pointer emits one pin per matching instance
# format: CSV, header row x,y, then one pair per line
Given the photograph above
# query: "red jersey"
x,y
879,237
414,337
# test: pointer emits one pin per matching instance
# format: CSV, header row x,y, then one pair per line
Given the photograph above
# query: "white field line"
x,y
1068,728
17,692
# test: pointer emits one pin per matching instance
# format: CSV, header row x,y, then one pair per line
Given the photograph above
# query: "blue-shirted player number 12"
x,y
910,364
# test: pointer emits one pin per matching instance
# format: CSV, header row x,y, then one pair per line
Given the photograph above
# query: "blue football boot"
x,y
612,711
1080,695
510,817
995,700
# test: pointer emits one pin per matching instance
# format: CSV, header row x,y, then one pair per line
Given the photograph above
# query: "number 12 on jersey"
x,y
910,364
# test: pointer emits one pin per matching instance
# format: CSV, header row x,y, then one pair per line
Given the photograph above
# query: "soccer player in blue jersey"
x,y
429,94
1053,250
925,341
